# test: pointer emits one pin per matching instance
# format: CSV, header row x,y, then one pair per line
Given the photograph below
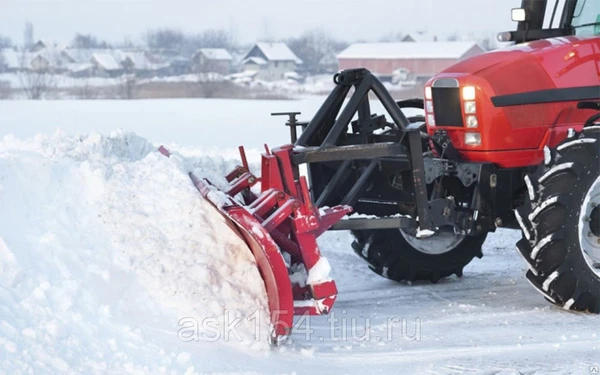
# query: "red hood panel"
x,y
538,65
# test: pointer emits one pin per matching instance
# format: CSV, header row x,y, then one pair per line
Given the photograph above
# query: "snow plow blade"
x,y
280,226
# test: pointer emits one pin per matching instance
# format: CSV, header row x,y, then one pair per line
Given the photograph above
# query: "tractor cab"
x,y
537,20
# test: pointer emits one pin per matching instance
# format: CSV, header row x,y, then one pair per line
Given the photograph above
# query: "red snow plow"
x,y
280,225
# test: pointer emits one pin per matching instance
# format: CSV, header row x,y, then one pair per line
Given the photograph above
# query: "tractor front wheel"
x,y
560,221
399,255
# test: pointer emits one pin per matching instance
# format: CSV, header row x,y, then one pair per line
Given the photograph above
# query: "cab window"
x,y
586,18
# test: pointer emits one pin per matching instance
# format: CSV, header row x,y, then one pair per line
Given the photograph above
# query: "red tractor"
x,y
508,139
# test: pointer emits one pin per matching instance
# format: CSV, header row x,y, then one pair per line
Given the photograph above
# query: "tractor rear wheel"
x,y
560,221
398,255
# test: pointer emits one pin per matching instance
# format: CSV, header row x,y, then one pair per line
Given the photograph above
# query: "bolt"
x,y
587,218
251,179
498,222
594,204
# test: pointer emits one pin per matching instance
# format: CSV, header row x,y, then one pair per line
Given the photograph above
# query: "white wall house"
x,y
270,61
213,60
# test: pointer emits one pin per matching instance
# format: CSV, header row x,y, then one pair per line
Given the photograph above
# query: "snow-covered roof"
x,y
15,59
83,55
112,59
139,59
407,50
42,44
79,67
278,52
107,61
215,54
52,54
254,60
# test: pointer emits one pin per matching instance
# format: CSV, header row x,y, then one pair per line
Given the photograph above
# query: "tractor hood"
x,y
519,93
538,65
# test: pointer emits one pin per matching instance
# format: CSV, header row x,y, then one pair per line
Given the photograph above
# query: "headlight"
x,y
470,107
473,139
430,120
468,93
472,122
429,106
428,92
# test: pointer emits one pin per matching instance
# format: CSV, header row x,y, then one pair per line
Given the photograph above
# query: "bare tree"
x,y
175,41
125,43
164,39
128,87
5,90
312,46
5,42
86,90
211,38
454,37
215,38
36,81
28,35
87,41
393,36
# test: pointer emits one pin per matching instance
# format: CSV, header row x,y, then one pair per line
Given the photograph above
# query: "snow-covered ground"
x,y
310,85
107,252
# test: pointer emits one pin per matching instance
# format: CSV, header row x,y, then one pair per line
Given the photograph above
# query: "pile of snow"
x,y
104,246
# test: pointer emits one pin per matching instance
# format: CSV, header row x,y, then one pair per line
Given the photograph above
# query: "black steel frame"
x,y
319,142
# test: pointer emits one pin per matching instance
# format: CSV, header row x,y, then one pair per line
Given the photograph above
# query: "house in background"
x,y
212,60
112,62
420,36
329,63
44,44
175,66
419,61
49,59
9,60
270,61
105,65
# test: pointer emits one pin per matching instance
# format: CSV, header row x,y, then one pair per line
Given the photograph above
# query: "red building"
x,y
416,61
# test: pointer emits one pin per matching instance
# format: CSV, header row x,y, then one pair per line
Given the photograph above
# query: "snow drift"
x,y
102,236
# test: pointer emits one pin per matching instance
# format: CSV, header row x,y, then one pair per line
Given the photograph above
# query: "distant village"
x,y
408,62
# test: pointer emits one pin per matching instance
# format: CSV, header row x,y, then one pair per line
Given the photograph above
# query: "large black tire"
x,y
553,219
390,255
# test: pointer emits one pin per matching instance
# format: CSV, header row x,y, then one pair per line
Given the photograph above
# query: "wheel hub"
x,y
595,221
443,241
589,227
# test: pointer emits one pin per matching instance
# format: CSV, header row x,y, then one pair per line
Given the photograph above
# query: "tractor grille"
x,y
446,106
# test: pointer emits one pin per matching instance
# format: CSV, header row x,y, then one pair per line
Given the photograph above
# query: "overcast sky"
x,y
249,20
